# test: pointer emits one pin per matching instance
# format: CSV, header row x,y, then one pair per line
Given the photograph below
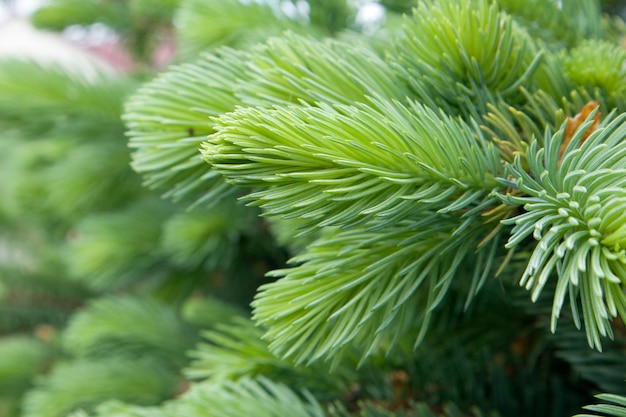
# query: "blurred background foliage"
x,y
117,302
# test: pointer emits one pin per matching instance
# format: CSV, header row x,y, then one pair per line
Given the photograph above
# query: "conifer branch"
x,y
168,118
85,384
574,207
609,79
129,327
105,257
460,55
37,99
296,69
358,287
342,166
236,350
246,397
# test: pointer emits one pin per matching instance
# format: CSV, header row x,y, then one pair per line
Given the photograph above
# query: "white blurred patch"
x,y
18,39
370,14
19,8
95,34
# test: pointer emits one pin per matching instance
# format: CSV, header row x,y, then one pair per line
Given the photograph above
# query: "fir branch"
x,y
344,165
358,287
235,350
545,20
35,294
559,23
27,162
130,327
574,208
609,78
584,16
286,232
85,384
21,358
605,370
50,96
295,69
77,185
513,128
207,313
259,397
245,397
462,55
208,238
102,255
168,118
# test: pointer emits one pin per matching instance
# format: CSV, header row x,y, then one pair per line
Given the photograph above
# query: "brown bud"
x,y
573,123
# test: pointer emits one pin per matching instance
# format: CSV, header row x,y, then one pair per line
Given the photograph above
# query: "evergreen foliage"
x,y
66,388
211,24
448,189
